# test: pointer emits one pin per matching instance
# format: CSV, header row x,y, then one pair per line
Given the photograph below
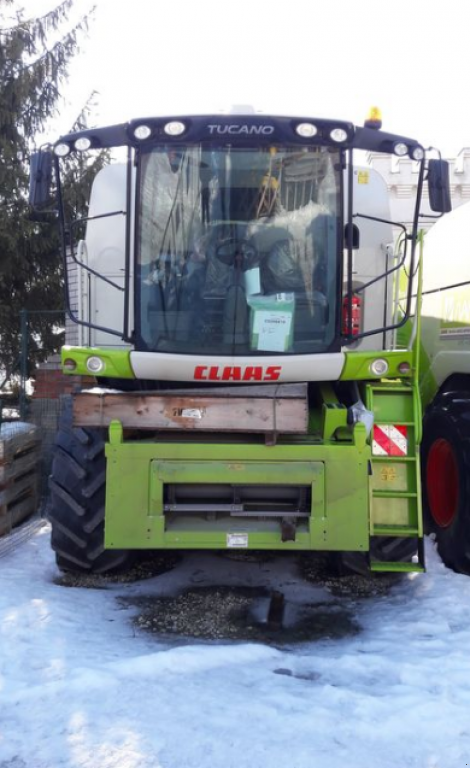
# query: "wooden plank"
x,y
19,465
16,488
236,411
16,438
270,391
17,514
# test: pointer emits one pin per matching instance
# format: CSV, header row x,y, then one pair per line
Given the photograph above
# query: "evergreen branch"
x,y
18,67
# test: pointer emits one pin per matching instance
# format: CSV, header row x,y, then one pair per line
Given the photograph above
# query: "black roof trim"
x,y
241,130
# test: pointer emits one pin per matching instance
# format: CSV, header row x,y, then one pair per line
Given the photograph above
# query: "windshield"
x,y
238,250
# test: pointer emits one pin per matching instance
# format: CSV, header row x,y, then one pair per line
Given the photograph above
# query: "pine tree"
x,y
34,59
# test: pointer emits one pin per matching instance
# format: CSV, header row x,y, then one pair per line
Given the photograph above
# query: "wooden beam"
x,y
270,408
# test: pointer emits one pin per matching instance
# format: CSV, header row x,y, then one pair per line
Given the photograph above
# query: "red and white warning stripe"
x,y
390,440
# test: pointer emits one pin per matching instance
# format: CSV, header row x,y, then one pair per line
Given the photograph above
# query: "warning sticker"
x,y
237,540
390,440
363,177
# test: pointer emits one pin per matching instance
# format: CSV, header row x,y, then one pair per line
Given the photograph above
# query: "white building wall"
x,y
401,176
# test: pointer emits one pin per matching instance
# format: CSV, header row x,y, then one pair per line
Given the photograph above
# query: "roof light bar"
x,y
174,128
400,149
418,153
62,149
339,135
142,132
306,130
82,144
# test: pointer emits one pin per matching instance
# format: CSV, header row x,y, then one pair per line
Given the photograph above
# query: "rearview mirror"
x,y
355,239
439,187
40,179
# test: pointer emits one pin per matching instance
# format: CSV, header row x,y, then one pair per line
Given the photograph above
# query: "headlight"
x,y
142,132
418,153
379,367
306,130
400,149
175,128
61,150
338,135
95,364
82,144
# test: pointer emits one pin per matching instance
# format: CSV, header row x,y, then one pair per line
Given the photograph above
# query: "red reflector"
x,y
356,315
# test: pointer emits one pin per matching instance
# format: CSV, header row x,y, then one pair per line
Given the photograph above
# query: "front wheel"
x,y
445,457
76,504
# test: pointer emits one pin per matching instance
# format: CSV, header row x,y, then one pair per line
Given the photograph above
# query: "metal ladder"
x,y
395,501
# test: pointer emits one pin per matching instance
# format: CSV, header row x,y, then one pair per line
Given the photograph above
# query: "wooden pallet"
x,y
19,460
269,408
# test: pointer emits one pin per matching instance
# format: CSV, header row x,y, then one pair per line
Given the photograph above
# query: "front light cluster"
x,y
379,367
95,364
62,149
401,149
309,130
173,128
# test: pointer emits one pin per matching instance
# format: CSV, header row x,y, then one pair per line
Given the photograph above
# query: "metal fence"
x,y
32,394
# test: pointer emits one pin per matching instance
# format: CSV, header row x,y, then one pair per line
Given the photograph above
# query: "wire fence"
x,y
31,402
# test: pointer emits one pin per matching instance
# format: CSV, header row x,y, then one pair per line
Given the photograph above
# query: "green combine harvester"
x,y
241,304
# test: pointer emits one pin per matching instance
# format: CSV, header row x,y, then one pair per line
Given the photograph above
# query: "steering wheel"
x,y
238,252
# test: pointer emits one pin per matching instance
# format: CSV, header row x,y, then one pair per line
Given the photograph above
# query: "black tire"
x,y
76,502
385,549
445,455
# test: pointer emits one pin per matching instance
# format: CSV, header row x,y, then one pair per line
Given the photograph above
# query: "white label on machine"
x,y
237,540
273,330
191,413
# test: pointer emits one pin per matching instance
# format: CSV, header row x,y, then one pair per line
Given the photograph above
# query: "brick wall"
x,y
45,407
50,382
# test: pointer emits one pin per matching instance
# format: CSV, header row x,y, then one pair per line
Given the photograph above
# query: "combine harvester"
x,y
238,287
445,387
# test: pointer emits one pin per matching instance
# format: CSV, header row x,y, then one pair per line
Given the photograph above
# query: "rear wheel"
x,y
446,478
77,501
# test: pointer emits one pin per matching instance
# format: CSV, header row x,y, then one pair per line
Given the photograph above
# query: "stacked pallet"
x,y
19,472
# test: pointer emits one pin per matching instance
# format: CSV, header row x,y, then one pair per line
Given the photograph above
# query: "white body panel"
x,y
446,313
168,367
105,245
374,256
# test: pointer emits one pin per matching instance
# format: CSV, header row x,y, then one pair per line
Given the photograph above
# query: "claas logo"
x,y
237,373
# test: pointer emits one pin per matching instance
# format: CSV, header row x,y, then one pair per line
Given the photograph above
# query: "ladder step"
x,y
394,495
393,458
381,567
395,530
396,423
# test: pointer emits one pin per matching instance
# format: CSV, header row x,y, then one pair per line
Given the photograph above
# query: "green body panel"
x,y
355,495
427,383
137,472
116,361
357,365
118,365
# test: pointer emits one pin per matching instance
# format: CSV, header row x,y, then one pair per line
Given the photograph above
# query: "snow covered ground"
x,y
81,686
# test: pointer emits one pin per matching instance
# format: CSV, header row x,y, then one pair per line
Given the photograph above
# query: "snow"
x,y
12,428
82,687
